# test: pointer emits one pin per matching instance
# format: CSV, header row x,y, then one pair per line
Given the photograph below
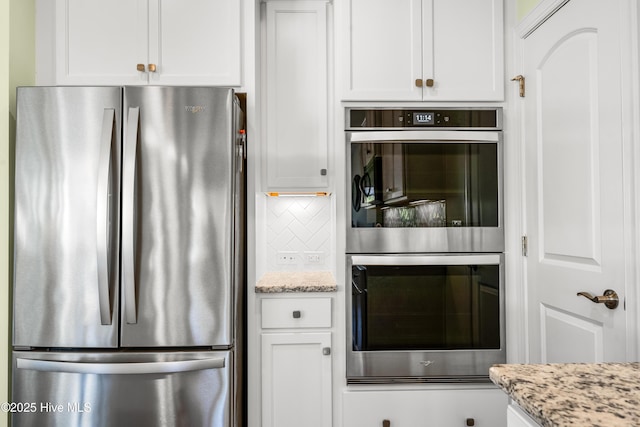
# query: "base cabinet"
x,y
425,408
516,417
296,380
296,362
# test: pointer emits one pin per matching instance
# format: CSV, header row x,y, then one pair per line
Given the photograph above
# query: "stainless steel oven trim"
x,y
431,239
444,259
423,135
433,366
498,125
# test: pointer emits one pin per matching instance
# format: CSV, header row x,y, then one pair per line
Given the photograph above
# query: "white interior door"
x,y
574,184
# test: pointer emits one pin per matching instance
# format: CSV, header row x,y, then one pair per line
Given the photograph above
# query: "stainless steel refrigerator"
x,y
128,257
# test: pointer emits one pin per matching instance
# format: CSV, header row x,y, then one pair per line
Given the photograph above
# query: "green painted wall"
x,y
17,67
4,205
525,6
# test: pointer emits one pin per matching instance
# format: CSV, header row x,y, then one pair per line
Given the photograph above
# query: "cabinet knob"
x,y
140,67
152,68
418,82
297,314
429,83
386,423
326,351
471,422
323,172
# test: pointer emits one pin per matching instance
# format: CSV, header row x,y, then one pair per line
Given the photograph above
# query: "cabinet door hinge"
x,y
520,79
525,246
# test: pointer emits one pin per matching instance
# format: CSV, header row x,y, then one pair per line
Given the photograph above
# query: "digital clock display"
x,y
423,118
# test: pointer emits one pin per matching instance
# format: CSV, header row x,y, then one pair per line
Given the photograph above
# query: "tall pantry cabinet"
x,y
295,330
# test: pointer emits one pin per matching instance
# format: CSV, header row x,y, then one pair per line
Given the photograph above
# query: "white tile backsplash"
x,y
298,224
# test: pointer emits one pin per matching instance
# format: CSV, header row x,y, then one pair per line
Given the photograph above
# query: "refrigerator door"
x,y
178,216
122,389
66,217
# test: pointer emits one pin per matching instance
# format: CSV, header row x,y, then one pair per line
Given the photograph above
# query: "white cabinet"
x,y
516,417
296,113
119,42
296,362
435,407
431,50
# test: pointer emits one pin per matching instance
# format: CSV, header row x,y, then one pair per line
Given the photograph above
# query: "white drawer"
x,y
411,408
296,313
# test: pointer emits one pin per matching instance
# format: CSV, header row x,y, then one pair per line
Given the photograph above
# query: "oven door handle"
x,y
475,259
355,288
421,135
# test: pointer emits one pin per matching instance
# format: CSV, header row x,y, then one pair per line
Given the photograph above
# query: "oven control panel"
x,y
441,118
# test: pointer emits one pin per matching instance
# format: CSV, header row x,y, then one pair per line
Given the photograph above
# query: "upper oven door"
x,y
424,191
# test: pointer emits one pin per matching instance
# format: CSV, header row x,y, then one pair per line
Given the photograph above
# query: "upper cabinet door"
x,y
467,61
100,42
296,114
383,49
423,50
134,42
195,42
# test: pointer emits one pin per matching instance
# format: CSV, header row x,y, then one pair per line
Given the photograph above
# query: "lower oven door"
x,y
425,318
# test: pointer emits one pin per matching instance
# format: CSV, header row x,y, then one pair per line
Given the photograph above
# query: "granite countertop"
x,y
296,281
574,394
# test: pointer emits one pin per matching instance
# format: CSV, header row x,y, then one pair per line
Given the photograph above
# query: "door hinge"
x,y
525,246
520,79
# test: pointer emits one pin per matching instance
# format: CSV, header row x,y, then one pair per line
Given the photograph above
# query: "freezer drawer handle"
x,y
120,368
128,216
103,228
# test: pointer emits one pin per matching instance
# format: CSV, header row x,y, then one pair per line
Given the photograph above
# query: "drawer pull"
x,y
297,314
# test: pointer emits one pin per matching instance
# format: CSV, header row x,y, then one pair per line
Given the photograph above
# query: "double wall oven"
x,y
425,242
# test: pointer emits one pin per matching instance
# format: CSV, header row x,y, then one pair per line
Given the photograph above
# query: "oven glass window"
x,y
426,184
425,307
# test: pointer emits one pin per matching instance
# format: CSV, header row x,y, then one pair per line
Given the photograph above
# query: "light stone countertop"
x,y
574,394
296,281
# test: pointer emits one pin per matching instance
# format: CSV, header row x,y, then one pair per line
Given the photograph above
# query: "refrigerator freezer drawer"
x,y
123,389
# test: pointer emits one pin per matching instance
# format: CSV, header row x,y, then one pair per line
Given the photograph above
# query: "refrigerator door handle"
x,y
103,226
128,215
134,368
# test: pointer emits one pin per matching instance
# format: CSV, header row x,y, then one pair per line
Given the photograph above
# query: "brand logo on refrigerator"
x,y
195,108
